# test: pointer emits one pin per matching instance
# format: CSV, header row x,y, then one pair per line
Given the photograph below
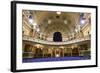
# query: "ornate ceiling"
x,y
50,21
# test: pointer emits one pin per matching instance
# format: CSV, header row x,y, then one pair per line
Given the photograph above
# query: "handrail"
x,y
27,38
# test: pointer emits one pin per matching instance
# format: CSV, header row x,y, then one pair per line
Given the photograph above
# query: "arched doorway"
x,y
57,52
57,37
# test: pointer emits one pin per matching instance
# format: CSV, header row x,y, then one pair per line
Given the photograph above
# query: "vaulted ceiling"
x,y
50,21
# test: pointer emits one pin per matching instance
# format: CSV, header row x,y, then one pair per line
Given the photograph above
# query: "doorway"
x,y
57,37
58,52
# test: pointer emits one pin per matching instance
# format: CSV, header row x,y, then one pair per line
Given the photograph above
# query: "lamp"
x,y
58,12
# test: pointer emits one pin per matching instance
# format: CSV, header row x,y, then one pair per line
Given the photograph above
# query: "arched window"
x,y
57,37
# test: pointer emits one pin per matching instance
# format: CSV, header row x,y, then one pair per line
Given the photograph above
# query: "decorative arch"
x,y
57,37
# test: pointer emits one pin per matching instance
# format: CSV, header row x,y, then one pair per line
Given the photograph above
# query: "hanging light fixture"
x,y
58,12
57,55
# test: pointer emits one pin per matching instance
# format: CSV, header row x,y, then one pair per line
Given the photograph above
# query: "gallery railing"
x,y
28,38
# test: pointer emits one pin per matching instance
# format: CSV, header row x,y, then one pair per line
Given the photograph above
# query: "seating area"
x,y
44,52
29,60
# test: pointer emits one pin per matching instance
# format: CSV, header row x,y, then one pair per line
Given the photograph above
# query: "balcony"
x,y
31,39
